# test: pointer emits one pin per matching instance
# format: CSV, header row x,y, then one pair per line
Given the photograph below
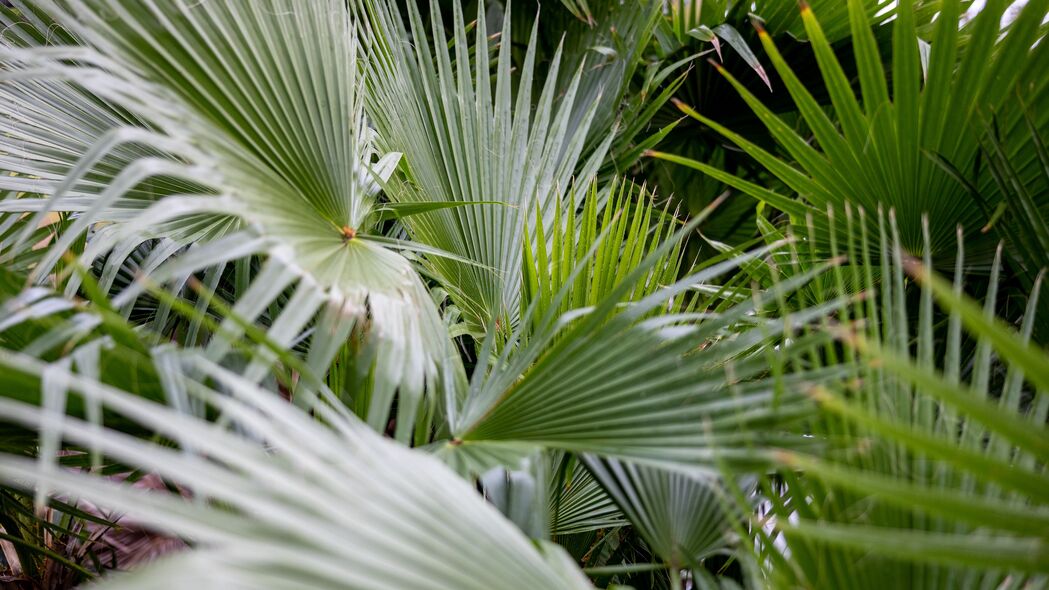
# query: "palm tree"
x,y
387,295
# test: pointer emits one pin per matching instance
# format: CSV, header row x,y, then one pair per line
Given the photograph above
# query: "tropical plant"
x,y
930,477
882,152
368,294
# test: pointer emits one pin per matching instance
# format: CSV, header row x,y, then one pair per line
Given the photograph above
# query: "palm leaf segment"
x,y
219,133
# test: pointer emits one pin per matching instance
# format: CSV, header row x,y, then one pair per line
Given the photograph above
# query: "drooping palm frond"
x,y
253,526
199,125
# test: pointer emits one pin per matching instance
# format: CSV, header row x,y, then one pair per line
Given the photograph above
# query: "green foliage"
x,y
933,475
388,295
879,152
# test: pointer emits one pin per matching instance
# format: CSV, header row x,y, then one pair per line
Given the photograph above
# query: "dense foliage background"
x,y
561,294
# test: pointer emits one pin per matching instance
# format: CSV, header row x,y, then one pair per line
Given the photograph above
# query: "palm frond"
x,y
669,390
934,477
681,516
882,156
196,124
255,527
465,139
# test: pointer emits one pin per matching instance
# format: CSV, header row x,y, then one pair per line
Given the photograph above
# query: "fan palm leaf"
x,y
886,151
254,527
467,140
934,477
197,124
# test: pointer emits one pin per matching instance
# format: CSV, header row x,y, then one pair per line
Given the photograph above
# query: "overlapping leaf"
x,y
256,527
466,139
199,124
940,482
882,152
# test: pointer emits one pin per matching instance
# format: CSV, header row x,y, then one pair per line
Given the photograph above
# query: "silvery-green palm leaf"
x,y
319,504
236,127
681,516
491,146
